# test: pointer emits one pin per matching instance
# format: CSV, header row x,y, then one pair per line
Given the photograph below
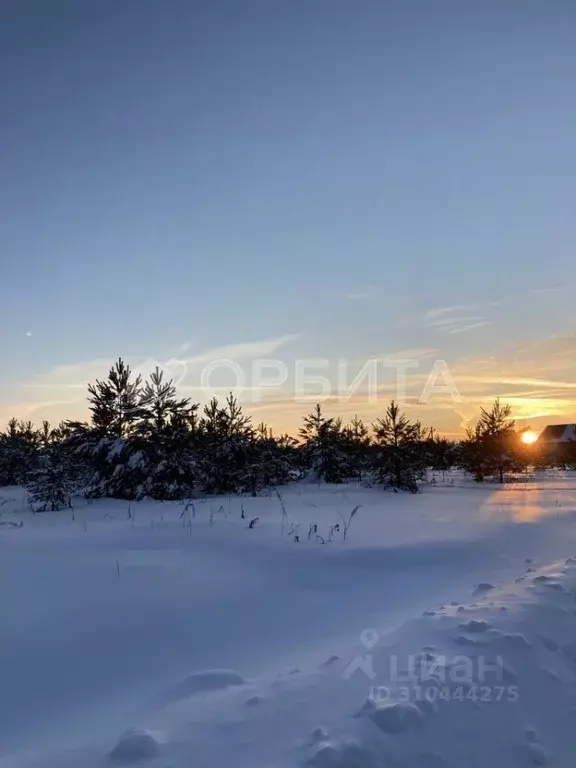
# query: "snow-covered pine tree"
x,y
165,441
224,437
291,453
107,444
267,462
399,456
50,486
357,445
324,447
18,452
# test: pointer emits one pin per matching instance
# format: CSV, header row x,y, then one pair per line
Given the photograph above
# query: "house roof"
x,y
558,433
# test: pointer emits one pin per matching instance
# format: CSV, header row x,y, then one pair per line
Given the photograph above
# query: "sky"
x,y
184,181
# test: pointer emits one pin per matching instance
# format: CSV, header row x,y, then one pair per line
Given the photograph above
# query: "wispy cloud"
x,y
250,350
411,353
78,375
72,376
364,293
469,327
455,319
553,288
431,314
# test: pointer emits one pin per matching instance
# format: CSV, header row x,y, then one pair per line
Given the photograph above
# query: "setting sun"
x,y
529,437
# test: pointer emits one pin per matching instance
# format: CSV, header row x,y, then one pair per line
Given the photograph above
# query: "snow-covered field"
x,y
442,632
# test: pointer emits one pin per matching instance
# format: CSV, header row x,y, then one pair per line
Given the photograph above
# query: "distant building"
x,y
554,434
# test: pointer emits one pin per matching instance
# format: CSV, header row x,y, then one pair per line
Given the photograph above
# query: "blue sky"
x,y
318,178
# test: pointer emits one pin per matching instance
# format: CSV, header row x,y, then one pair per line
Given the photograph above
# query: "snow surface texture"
x,y
442,632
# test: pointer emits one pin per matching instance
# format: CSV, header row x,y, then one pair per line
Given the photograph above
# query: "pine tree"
x,y
115,401
18,452
267,463
324,446
491,447
224,437
441,453
162,450
50,485
357,444
159,407
400,459
46,434
106,446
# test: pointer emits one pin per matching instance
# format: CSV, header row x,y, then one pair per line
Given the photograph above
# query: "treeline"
x,y
144,441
